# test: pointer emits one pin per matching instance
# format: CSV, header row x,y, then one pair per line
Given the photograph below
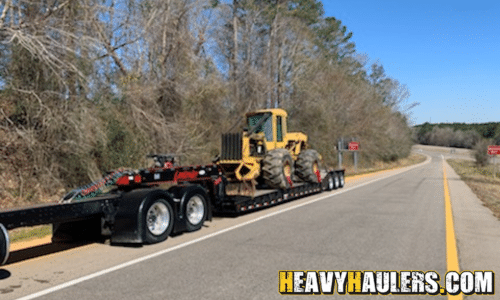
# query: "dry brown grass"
x,y
412,159
481,182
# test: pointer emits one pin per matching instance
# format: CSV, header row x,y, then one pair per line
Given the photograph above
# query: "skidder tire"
x,y
277,165
307,164
158,221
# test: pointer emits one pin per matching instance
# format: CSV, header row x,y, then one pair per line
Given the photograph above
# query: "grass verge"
x,y
412,159
481,182
28,233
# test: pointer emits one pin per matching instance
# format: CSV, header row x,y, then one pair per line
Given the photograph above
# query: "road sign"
x,y
493,150
353,146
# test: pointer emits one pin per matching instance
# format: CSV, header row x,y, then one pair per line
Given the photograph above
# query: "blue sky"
x,y
446,52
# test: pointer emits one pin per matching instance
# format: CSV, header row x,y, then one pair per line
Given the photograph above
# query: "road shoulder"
x,y
477,230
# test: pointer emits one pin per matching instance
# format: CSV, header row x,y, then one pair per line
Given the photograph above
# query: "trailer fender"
x,y
4,245
131,215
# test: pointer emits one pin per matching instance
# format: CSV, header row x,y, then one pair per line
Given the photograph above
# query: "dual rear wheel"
x,y
159,221
159,215
334,181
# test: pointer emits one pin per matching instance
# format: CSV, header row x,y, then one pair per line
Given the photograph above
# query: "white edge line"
x,y
153,255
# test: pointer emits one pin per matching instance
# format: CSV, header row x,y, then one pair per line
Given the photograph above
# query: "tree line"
x,y
460,135
88,86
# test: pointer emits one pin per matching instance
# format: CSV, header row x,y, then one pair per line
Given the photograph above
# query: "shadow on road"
x,y
34,252
4,274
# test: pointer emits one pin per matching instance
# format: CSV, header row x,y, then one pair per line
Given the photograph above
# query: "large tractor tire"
x,y
307,165
277,169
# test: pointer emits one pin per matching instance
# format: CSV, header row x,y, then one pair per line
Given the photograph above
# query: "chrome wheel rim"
x,y
336,181
158,218
342,182
330,183
195,209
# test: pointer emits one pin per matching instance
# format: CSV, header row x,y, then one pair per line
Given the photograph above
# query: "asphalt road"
x,y
389,221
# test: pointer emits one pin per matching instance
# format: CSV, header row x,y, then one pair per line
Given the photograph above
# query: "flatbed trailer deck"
x,y
239,204
140,211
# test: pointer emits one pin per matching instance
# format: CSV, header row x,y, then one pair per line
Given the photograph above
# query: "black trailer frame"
x,y
123,212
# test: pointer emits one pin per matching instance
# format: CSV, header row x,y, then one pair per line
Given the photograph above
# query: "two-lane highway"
x,y
391,221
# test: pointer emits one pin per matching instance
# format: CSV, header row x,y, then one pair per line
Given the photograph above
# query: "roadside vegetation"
x,y
459,135
87,86
481,181
29,233
412,159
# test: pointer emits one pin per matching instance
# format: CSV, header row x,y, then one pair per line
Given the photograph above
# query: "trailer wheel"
x,y
341,179
330,182
158,221
4,245
336,181
307,165
195,209
277,168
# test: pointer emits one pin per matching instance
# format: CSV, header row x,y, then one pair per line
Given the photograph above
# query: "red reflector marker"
x,y
123,180
318,175
137,178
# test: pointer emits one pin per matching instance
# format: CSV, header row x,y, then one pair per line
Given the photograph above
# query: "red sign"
x,y
353,146
493,150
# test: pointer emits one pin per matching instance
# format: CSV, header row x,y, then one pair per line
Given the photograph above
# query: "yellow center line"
x,y
451,243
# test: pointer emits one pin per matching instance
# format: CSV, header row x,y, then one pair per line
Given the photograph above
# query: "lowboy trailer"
x,y
139,211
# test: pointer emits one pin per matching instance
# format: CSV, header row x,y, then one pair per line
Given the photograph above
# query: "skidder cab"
x,y
266,151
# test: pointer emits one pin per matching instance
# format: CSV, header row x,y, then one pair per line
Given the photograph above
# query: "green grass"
x,y
28,233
